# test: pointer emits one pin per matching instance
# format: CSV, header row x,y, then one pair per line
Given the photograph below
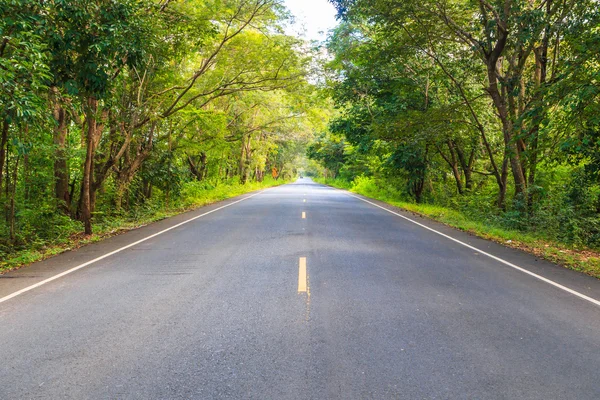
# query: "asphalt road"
x,y
220,308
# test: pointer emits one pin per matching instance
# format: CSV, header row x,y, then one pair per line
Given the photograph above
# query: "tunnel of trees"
x,y
115,110
112,108
491,108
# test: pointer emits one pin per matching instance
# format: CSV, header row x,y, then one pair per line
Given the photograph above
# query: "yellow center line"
x,y
302,275
304,200
303,215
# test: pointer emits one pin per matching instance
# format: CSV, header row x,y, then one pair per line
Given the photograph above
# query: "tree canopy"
x,y
112,108
108,107
497,98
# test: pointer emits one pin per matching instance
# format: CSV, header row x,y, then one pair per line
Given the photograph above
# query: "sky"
x,y
313,17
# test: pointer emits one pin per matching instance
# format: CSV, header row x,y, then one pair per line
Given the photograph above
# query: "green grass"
x,y
579,259
193,195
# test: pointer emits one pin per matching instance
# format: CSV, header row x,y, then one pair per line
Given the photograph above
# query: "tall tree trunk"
x,y
480,128
507,130
3,151
11,208
242,167
86,201
244,156
26,178
7,172
61,168
541,72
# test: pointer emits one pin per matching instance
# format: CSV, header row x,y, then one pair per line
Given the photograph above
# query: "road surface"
x,y
298,292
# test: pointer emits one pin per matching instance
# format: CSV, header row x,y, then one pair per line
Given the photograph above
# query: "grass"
x,y
579,259
193,195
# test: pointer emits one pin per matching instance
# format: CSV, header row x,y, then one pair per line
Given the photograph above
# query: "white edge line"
x,y
551,282
85,264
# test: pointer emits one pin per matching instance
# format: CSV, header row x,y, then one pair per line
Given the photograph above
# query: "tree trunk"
x,y
501,203
507,130
61,168
453,163
203,165
3,142
457,178
26,178
199,171
72,191
86,201
418,187
242,167
466,165
146,189
541,71
7,171
11,210
193,168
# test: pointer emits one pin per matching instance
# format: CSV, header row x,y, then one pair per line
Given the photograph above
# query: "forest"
x,y
484,114
118,112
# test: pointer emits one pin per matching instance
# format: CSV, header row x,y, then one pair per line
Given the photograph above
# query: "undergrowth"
x,y
52,233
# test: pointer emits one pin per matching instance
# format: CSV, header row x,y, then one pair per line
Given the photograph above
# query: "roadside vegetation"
x,y
539,243
67,234
116,113
484,115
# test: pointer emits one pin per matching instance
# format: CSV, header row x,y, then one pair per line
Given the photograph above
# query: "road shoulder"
x,y
35,273
574,280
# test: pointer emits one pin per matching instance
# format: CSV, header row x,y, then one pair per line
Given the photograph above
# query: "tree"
x,y
105,100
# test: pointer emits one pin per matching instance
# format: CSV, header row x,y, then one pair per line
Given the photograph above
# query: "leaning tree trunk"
x,y
453,163
466,165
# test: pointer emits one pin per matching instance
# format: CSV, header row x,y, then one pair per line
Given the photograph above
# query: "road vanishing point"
x,y
298,292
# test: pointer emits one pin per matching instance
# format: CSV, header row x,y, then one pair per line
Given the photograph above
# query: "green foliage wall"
x,y
487,107
110,110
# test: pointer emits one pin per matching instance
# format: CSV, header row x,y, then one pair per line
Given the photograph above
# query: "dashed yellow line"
x,y
302,275
304,200
303,215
